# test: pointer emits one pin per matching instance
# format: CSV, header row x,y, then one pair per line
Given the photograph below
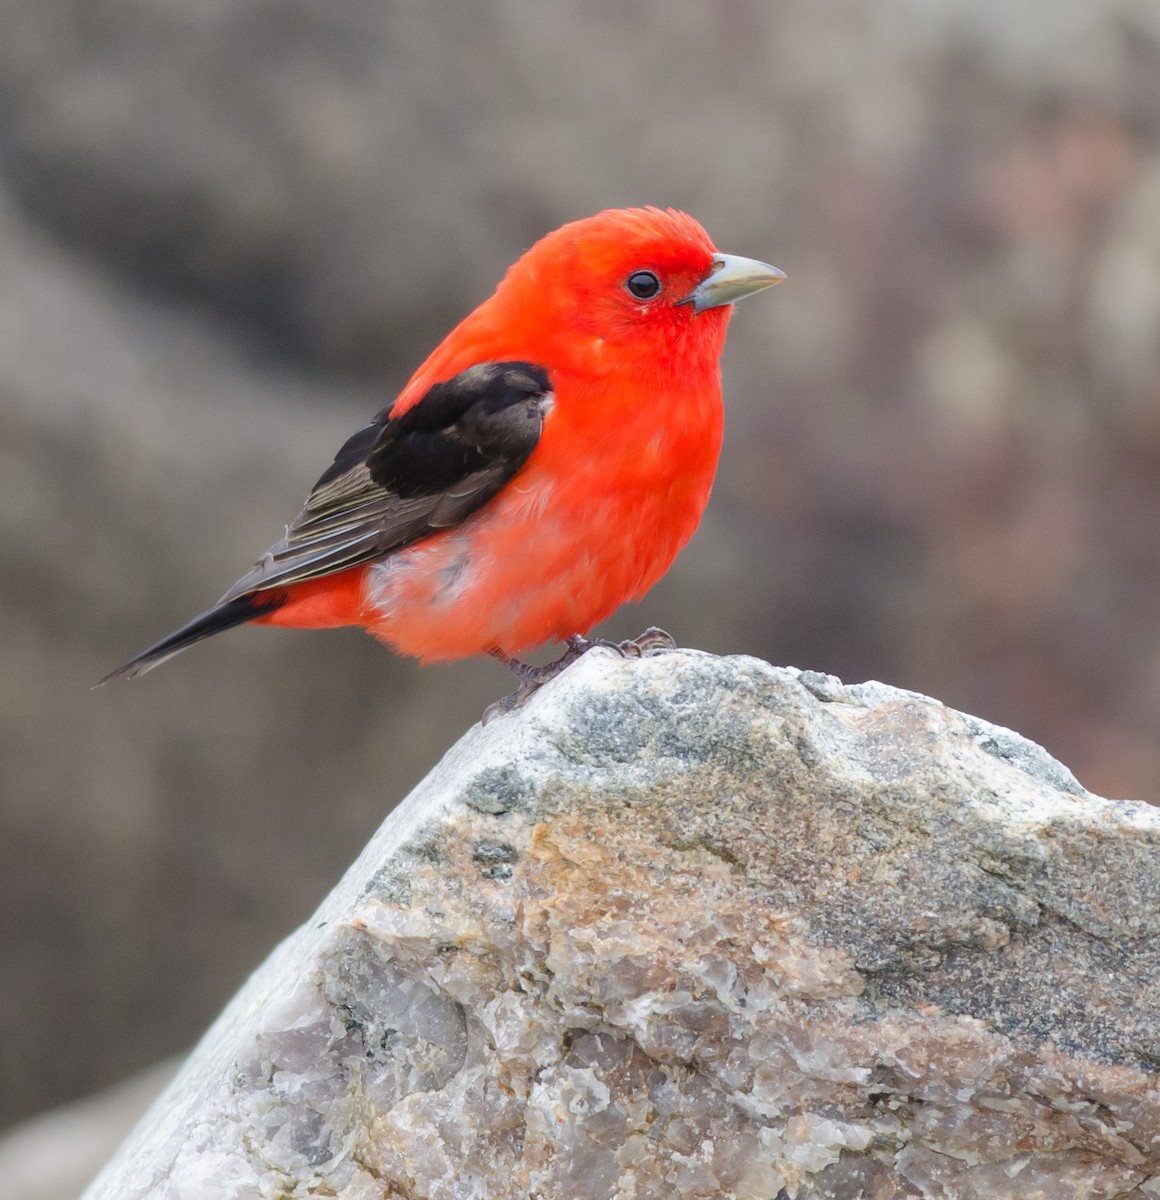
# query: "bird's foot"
x,y
652,641
532,678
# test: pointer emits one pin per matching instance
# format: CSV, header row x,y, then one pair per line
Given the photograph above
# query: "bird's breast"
x,y
614,489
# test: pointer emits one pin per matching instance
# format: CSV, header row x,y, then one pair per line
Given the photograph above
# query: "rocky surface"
x,y
700,927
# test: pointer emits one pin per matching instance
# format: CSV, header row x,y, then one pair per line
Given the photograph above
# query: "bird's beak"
x,y
732,279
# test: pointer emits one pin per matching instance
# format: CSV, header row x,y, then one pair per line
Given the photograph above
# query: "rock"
x,y
698,927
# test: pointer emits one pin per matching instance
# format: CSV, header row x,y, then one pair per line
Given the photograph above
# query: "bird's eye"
x,y
644,285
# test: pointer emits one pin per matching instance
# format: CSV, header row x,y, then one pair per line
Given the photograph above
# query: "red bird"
x,y
544,465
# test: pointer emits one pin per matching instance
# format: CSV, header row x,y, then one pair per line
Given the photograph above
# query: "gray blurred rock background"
x,y
229,230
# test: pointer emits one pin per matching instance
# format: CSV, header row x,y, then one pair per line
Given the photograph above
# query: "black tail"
x,y
220,617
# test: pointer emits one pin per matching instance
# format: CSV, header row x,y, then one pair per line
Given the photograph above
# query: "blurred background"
x,y
229,230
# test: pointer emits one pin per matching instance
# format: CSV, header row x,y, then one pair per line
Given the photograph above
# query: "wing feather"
x,y
398,480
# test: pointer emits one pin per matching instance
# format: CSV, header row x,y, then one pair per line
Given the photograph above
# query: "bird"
x,y
544,465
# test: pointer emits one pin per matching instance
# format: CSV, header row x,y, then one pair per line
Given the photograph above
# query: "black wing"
x,y
399,479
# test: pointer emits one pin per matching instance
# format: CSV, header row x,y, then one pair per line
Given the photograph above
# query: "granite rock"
x,y
687,926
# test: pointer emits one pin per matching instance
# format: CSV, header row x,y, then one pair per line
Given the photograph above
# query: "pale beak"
x,y
732,279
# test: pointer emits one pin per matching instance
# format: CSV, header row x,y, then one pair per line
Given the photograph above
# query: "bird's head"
x,y
632,279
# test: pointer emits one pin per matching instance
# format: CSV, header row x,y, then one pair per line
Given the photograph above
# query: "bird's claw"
x,y
510,702
652,641
532,678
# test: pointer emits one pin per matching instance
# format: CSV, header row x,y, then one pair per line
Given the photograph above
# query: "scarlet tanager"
x,y
543,466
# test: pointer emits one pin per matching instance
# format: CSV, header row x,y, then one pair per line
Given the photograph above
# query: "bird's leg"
x,y
532,677
652,641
